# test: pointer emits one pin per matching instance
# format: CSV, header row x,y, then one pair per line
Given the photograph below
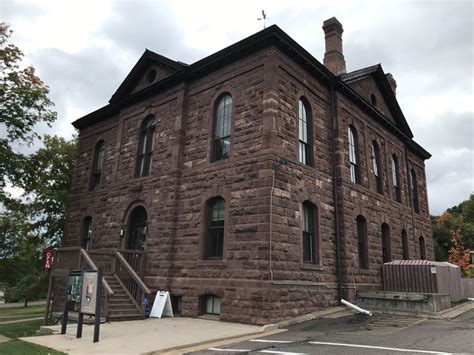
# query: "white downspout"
x,y
358,309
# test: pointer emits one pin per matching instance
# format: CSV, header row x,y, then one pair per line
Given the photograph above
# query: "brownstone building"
x,y
256,184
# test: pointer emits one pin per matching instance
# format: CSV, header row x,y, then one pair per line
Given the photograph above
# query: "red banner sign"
x,y
48,258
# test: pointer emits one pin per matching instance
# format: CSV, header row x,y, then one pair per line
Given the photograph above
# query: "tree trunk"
x,y
26,302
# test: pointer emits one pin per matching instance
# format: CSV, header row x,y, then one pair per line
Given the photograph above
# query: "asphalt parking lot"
x,y
358,334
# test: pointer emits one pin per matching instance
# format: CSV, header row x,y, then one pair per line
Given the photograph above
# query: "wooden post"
x,y
97,305
80,321
48,299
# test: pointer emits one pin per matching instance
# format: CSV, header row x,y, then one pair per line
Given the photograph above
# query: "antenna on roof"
x,y
264,17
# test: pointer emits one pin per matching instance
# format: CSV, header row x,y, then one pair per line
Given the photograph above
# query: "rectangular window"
x,y
215,231
362,242
309,247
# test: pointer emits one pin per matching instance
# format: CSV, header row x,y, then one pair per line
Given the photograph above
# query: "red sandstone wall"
x,y
265,89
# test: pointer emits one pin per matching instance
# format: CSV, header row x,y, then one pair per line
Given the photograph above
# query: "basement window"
x,y
211,305
176,304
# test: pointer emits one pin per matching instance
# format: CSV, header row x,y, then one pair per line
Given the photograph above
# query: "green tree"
x,y
36,219
459,218
24,103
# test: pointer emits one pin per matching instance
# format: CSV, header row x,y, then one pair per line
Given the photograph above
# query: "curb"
x,y
449,313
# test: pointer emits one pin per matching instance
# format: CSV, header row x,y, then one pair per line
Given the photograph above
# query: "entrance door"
x,y
137,229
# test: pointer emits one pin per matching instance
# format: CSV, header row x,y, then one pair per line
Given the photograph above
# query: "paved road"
x,y
357,334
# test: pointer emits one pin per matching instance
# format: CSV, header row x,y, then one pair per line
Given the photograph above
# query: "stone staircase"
x,y
121,305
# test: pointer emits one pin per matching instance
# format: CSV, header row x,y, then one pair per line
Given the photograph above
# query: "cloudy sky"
x,y
84,49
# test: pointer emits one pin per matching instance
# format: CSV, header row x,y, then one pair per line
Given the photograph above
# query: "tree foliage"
x,y
454,229
35,219
24,103
458,254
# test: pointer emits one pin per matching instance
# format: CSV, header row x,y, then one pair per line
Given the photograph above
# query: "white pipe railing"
x,y
358,309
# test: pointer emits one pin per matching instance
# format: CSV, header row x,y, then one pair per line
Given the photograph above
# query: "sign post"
x,y
91,294
47,261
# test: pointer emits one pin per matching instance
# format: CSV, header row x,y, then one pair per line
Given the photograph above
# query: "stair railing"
x,y
130,280
76,258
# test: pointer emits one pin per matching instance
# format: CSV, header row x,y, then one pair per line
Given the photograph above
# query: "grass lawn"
x,y
21,329
26,316
8,312
19,347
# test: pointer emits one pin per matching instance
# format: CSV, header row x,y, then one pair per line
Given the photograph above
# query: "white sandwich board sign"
x,y
162,305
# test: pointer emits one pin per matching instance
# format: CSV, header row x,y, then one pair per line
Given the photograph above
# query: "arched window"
x,y
137,228
395,179
210,304
362,244
87,232
304,133
421,242
353,154
376,166
405,245
98,162
222,128
414,191
386,250
145,146
215,228
310,237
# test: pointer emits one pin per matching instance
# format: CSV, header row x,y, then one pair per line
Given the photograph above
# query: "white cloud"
x,y
84,49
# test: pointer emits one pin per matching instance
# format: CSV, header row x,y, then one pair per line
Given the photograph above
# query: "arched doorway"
x,y
137,229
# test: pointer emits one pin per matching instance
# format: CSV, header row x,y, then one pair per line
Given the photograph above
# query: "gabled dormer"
x,y
151,68
378,90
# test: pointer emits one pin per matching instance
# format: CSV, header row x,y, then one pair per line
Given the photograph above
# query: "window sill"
x,y
310,266
219,263
363,271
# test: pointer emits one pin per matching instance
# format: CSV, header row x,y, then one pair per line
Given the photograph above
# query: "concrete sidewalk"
x,y
144,336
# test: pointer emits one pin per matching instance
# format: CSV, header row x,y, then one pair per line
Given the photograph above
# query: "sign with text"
x,y
48,258
89,292
162,305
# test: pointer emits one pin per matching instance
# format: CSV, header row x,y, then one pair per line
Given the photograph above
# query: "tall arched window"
x,y
376,166
215,228
146,146
414,191
395,179
87,232
309,235
304,133
405,245
137,228
386,250
421,242
97,165
362,243
353,154
222,128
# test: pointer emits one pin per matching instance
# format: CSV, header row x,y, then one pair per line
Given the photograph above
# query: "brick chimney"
x,y
333,57
393,83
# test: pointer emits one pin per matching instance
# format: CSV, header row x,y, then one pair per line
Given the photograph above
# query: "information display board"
x,y
74,287
89,292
